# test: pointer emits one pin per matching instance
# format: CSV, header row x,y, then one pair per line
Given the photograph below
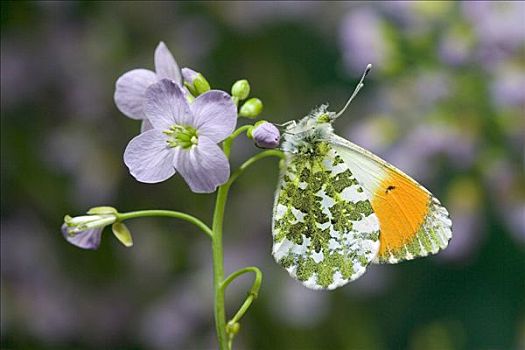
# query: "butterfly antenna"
x,y
284,124
357,88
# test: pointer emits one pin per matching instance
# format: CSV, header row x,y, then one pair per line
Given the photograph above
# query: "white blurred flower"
x,y
299,306
508,87
252,15
362,40
499,27
455,48
515,217
497,22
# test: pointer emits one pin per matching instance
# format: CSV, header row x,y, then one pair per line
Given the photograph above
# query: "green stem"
x,y
232,328
218,268
259,156
217,249
228,142
239,131
168,213
252,294
217,252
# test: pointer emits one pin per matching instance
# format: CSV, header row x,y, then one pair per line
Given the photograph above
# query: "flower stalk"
x,y
232,327
167,213
218,254
218,266
224,337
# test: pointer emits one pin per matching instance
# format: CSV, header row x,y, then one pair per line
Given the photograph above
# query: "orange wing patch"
x,y
412,221
410,218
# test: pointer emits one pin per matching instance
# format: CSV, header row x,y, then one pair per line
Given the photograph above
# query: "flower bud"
x,y
85,231
122,233
195,82
265,134
241,89
251,108
233,328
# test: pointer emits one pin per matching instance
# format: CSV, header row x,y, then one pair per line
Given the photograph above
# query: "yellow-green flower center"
x,y
182,135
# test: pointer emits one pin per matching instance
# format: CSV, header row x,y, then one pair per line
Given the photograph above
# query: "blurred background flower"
x,y
445,102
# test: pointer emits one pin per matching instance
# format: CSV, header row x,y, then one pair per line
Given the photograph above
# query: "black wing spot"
x,y
390,188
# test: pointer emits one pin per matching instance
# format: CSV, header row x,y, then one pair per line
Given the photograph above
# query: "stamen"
x,y
181,135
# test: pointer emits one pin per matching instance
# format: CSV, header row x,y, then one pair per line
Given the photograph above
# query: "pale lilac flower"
x,y
266,135
85,231
130,88
88,239
184,138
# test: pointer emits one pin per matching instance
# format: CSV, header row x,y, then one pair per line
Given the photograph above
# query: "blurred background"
x,y
445,102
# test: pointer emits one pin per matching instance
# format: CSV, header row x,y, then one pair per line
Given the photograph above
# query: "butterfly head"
x,y
316,126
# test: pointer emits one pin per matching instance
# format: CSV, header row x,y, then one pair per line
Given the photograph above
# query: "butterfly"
x,y
339,207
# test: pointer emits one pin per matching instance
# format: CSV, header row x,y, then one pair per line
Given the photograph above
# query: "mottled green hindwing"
x,y
324,229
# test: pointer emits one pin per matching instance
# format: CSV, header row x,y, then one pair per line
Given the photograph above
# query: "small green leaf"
x,y
122,233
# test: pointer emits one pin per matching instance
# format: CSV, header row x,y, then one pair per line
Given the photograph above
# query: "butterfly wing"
x,y
324,230
412,221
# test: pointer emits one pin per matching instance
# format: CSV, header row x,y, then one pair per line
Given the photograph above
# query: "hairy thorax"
x,y
299,137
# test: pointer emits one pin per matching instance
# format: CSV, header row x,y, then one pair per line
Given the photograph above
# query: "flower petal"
x,y
165,65
146,125
189,75
89,239
215,115
166,105
149,158
130,89
204,167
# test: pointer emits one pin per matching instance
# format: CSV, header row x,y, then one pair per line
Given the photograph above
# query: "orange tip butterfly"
x,y
338,207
